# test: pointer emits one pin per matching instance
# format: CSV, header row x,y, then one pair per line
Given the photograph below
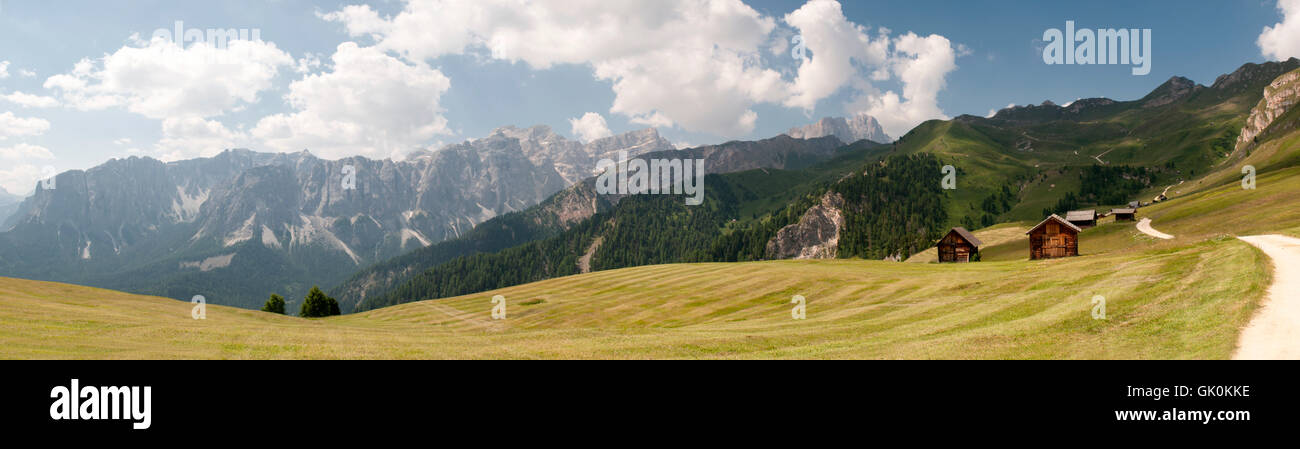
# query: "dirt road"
x,y
1145,227
1274,332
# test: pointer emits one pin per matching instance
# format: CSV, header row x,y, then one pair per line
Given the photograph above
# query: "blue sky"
x,y
432,72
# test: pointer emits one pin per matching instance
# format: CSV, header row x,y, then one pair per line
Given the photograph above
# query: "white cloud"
x,y
183,87
26,73
19,172
160,79
14,126
590,126
664,58
29,100
25,151
20,178
1282,40
921,65
835,43
4,69
370,104
191,137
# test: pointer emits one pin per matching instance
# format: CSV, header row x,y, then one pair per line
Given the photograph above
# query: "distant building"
x,y
1134,204
959,246
1127,214
1082,218
1052,238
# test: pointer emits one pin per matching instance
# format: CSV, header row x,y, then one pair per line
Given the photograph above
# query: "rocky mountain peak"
x,y
848,130
1279,97
1250,72
1176,88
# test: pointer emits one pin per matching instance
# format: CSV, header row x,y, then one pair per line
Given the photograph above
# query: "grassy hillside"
x,y
1169,301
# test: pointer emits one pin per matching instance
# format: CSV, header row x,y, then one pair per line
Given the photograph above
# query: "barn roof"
x,y
1123,211
1058,220
1081,215
967,235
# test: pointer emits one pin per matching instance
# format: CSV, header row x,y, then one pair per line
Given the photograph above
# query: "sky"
x,y
82,82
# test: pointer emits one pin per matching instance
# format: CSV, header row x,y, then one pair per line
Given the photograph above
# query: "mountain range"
x,y
242,224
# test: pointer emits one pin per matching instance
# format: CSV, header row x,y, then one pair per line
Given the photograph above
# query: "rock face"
x,y
848,130
573,205
574,160
815,236
1279,97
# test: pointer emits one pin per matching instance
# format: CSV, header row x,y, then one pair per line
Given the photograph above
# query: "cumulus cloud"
x,y
15,126
20,178
161,79
20,172
29,100
836,44
25,151
1282,40
4,69
370,103
190,137
664,59
695,64
590,126
921,65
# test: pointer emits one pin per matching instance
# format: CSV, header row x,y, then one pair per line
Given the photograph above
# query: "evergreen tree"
x,y
274,305
317,305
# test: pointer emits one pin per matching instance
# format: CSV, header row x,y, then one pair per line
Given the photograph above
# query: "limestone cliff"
x,y
1279,97
815,236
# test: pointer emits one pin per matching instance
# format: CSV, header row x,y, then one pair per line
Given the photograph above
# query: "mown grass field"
x,y
1173,302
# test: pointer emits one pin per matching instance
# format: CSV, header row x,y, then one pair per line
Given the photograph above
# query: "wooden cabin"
x,y
1083,219
1128,214
959,246
1054,237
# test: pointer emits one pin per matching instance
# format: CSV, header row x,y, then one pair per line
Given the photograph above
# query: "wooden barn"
x,y
959,246
1084,219
1054,237
1128,214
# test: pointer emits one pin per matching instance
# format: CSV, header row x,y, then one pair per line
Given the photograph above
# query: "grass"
x,y
1177,302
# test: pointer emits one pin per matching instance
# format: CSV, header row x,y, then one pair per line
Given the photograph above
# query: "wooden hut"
x,y
1083,219
1127,214
1054,237
959,246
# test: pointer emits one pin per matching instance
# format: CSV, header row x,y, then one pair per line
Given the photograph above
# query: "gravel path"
x,y
1274,332
1145,227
